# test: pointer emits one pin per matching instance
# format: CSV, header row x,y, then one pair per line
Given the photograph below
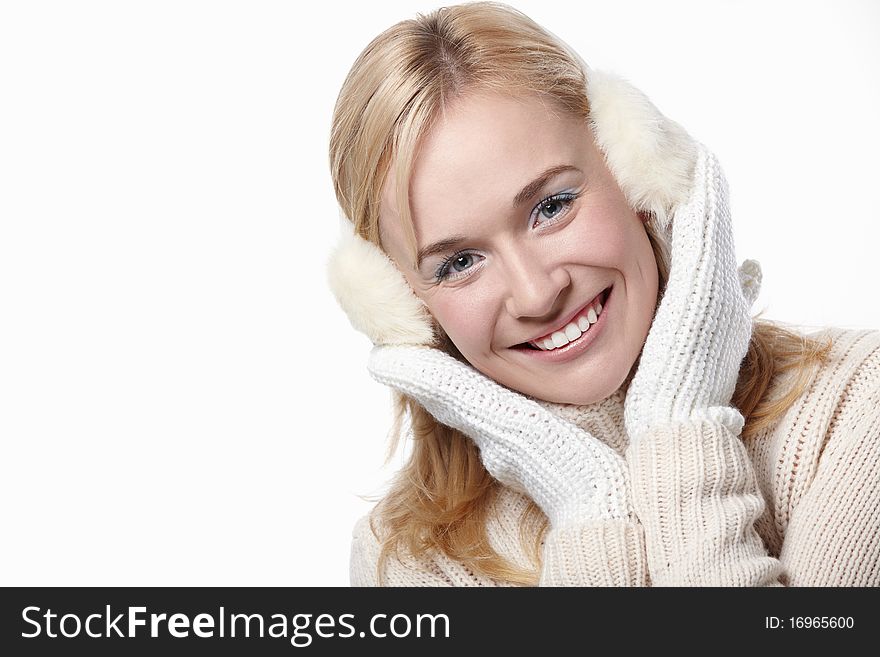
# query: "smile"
x,y
573,337
573,329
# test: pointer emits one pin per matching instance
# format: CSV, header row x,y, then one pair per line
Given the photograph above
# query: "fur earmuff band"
x,y
651,157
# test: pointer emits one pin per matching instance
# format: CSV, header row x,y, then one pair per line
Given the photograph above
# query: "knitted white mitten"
x,y
571,475
700,333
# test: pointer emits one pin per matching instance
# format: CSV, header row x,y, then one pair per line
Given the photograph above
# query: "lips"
x,y
602,296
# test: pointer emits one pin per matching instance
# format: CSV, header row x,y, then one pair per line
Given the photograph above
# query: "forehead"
x,y
478,155
490,144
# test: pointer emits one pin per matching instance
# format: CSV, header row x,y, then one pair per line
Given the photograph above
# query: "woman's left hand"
x,y
700,334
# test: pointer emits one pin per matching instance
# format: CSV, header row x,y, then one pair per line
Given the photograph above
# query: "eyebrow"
x,y
522,196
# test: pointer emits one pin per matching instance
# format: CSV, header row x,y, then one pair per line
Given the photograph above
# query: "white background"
x,y
182,402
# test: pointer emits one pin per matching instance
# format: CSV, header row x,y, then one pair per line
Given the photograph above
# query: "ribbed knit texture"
x,y
573,476
796,505
700,332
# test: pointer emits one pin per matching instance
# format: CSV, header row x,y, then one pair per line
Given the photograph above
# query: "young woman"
x,y
545,265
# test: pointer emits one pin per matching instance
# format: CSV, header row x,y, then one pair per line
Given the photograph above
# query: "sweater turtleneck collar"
x,y
603,419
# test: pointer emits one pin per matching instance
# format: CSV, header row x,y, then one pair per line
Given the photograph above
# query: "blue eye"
x,y
560,202
459,262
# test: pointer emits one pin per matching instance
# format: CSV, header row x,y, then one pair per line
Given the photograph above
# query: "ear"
x,y
374,293
651,157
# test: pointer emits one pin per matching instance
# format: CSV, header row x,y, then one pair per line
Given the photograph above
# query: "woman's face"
x,y
521,227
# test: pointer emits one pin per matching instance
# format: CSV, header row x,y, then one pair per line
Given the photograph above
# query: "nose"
x,y
534,284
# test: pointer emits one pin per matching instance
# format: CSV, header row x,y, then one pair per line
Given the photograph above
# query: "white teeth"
x,y
572,331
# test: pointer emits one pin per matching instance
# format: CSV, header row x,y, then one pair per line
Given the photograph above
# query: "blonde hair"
x,y
402,81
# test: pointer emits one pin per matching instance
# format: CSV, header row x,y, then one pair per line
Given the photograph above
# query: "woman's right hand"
x,y
571,475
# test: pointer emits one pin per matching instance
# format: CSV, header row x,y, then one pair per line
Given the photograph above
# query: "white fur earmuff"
x,y
374,294
651,157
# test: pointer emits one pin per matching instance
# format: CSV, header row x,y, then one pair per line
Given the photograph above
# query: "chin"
x,y
584,395
586,400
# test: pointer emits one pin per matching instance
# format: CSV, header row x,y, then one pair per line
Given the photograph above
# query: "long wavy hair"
x,y
397,87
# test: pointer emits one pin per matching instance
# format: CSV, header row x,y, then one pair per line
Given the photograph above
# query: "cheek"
x,y
467,320
603,238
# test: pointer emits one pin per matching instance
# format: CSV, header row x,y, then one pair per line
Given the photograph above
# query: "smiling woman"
x,y
525,260
544,263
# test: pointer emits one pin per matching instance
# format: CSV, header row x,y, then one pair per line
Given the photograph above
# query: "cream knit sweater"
x,y
797,505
